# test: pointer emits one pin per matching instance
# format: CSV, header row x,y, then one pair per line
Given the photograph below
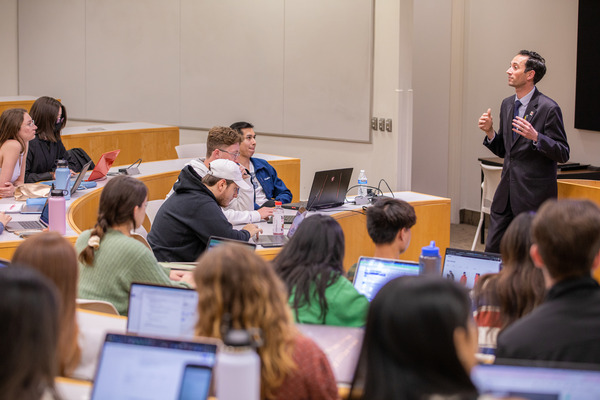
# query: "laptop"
x,y
372,273
269,241
538,381
31,225
214,241
467,266
328,190
103,165
341,344
135,367
165,311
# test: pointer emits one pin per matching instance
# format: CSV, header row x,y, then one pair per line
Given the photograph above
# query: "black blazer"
x,y
529,172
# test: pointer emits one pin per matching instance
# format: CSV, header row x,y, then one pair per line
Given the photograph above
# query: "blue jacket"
x,y
273,187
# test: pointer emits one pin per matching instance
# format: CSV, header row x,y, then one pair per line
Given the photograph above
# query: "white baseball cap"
x,y
227,169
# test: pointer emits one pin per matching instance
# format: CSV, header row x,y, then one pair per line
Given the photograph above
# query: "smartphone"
x,y
195,383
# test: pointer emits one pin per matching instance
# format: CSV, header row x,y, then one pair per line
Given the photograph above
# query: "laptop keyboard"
x,y
31,224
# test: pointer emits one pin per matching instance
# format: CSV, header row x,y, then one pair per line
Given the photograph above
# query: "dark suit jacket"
x,y
529,172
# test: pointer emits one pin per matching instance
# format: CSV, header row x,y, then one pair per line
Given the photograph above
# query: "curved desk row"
x,y
433,215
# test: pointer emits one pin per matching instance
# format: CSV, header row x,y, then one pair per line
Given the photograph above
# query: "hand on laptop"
x,y
5,219
253,229
182,276
265,212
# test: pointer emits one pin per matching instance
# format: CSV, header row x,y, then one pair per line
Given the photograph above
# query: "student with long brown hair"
x,y
501,299
233,280
17,128
53,256
109,258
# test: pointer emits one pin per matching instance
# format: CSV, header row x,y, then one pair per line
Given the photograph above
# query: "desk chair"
x,y
97,305
152,208
491,179
192,150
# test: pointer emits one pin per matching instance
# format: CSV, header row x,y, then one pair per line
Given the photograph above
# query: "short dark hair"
x,y
221,136
408,350
238,126
567,233
535,63
387,217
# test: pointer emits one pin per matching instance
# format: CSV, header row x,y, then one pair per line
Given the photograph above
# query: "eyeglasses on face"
x,y
31,123
234,155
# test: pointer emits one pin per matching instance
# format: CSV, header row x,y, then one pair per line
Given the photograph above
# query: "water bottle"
x,y
278,219
62,177
57,208
430,261
237,370
362,184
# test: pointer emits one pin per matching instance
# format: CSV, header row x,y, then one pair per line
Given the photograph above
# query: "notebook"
x,y
372,273
216,241
328,190
134,367
341,344
103,165
465,266
30,225
268,241
538,381
165,311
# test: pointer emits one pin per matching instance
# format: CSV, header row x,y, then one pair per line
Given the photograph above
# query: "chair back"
x,y
98,306
192,150
491,179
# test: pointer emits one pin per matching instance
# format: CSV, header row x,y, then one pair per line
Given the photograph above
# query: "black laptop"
x,y
328,190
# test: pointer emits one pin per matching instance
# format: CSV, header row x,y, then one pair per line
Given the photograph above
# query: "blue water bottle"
x,y
62,178
430,261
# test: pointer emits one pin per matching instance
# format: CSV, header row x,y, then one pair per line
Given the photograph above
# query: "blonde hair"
x,y
233,280
53,256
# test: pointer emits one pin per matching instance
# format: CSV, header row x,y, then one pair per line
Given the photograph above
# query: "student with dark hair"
x,y
501,299
109,258
267,187
419,343
311,265
566,326
233,280
389,222
54,256
17,128
47,147
29,317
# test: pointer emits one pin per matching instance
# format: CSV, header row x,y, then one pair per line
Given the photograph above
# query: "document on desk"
x,y
11,208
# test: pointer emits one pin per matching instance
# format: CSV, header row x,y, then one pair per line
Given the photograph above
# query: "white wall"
x,y
9,65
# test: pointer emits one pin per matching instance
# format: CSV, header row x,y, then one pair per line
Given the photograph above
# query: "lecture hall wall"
x,y
438,64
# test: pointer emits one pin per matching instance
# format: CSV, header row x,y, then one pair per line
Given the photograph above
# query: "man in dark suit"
x,y
531,139
566,326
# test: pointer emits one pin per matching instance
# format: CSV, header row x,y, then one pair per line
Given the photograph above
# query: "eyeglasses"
x,y
31,123
234,155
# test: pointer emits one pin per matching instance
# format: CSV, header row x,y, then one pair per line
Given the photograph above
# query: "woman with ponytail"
x,y
109,258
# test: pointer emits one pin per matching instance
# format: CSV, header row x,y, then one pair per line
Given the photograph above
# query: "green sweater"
x,y
118,262
346,307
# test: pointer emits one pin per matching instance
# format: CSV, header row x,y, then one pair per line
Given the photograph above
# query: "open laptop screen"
x,y
539,383
372,273
133,367
465,266
162,310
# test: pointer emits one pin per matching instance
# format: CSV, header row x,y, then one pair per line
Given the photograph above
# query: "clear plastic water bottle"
x,y
57,208
362,184
430,261
237,370
62,177
278,219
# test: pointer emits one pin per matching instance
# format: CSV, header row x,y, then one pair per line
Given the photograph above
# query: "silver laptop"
x,y
372,273
165,311
280,240
538,381
466,267
31,225
135,367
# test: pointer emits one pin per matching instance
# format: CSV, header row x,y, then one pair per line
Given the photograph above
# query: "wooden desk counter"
x,y
7,102
150,142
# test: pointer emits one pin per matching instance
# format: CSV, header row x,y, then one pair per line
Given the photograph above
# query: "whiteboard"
x,y
291,67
